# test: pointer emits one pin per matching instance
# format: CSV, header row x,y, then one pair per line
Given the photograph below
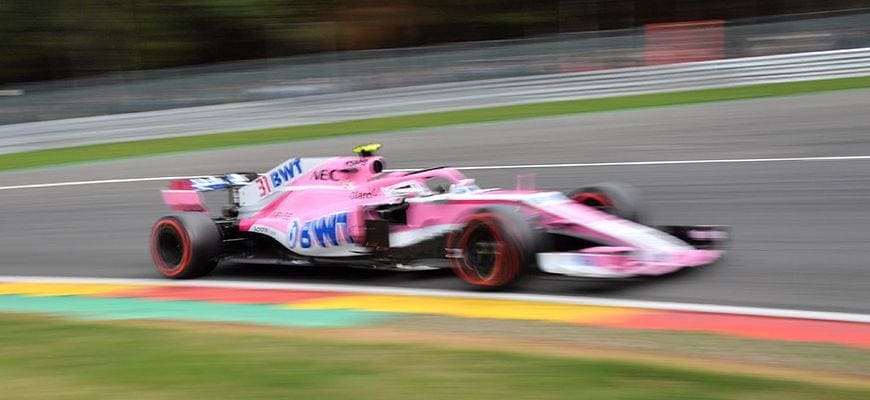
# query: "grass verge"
x,y
52,358
109,151
692,348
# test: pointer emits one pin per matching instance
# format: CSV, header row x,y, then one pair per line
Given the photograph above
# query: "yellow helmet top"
x,y
367,149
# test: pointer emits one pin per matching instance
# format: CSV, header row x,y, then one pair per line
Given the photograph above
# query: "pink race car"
x,y
348,211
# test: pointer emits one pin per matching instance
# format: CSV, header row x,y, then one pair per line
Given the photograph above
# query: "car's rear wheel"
x,y
618,199
493,248
185,245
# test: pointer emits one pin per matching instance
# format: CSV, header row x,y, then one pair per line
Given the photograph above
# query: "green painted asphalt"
x,y
127,308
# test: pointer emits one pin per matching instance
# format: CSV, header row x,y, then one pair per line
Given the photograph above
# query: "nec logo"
x,y
286,172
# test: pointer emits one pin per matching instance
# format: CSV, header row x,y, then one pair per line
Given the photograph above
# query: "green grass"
x,y
45,358
228,139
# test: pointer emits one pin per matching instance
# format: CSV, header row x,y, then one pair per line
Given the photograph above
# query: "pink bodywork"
x,y
340,194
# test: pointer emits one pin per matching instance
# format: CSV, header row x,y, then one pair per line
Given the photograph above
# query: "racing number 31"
x,y
264,185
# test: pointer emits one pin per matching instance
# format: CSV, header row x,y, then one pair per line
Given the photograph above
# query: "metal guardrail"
x,y
434,97
707,74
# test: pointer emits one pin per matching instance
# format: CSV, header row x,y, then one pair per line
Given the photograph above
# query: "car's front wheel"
x,y
493,248
185,245
618,199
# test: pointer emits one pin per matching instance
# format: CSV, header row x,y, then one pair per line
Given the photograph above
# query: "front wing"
x,y
708,242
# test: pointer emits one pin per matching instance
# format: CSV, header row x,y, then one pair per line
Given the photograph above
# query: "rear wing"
x,y
184,194
209,183
248,191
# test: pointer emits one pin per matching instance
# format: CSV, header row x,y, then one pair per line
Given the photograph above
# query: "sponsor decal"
x,y
357,163
263,186
326,231
280,175
326,174
286,172
268,231
355,195
282,215
293,234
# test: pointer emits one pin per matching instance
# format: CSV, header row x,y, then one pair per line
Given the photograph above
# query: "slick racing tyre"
x,y
185,245
493,249
618,199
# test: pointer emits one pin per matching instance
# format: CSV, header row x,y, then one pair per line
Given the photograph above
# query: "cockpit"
x,y
432,185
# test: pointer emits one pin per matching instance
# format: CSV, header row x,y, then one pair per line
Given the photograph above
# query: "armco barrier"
x,y
436,97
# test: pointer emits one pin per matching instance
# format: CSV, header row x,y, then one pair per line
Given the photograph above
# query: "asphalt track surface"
x,y
801,228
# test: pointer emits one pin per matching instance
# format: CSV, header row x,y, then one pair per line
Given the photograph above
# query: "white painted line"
x,y
399,291
488,167
100,182
674,162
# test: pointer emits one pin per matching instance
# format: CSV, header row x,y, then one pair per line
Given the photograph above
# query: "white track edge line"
x,y
97,182
389,290
483,168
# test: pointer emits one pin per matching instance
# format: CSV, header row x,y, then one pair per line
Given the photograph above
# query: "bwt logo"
x,y
326,231
286,172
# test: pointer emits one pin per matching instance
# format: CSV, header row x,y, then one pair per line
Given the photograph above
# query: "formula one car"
x,y
349,211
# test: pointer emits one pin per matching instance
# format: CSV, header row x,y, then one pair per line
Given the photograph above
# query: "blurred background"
x,y
101,57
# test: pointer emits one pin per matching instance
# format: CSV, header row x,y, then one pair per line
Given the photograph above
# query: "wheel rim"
x,y
482,252
489,258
